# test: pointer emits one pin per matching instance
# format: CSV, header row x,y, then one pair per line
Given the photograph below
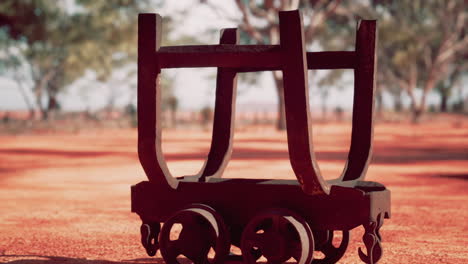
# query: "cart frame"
x,y
346,202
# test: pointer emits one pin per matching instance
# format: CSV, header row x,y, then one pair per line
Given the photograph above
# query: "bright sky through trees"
x,y
193,87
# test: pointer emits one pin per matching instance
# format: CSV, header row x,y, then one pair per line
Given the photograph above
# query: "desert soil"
x,y
65,198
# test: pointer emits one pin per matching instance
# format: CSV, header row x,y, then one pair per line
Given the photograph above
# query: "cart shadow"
x,y
38,259
463,177
64,153
26,259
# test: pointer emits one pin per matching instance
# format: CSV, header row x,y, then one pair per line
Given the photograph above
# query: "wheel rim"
x,y
202,230
149,237
278,235
332,253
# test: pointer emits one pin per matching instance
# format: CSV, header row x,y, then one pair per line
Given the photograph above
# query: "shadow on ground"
x,y
37,259
454,176
41,158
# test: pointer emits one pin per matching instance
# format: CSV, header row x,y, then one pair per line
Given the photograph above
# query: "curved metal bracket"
x,y
224,115
149,96
296,99
299,129
360,151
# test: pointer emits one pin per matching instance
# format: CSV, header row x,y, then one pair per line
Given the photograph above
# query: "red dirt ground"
x,y
65,198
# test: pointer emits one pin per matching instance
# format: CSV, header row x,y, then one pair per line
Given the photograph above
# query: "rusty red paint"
x,y
312,207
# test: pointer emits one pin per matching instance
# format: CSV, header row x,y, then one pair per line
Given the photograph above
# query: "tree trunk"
x,y
53,105
397,102
281,121
44,114
443,101
419,110
324,111
324,96
173,118
416,109
38,94
39,89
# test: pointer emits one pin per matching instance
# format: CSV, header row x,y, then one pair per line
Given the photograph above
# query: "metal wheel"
x,y
277,235
202,230
332,253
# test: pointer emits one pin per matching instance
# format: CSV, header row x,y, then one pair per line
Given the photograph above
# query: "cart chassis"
x,y
278,219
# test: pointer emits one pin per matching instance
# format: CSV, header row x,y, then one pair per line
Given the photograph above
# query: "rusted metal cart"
x,y
276,219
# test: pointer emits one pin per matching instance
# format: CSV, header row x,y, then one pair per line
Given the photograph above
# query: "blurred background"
x,y
76,60
68,138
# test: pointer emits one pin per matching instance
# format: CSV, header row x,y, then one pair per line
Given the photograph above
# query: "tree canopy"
x,y
422,43
60,40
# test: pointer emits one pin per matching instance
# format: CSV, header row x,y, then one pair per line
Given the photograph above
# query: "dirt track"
x,y
65,198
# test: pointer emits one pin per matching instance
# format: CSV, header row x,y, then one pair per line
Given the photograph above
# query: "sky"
x,y
193,87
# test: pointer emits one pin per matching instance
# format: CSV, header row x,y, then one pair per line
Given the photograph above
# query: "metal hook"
x,y
149,238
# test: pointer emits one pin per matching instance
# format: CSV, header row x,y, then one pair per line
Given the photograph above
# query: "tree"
x,y
58,42
10,65
259,21
445,86
419,43
325,84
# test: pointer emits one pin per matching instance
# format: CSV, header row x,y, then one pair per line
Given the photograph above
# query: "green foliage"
x,y
420,43
60,40
332,78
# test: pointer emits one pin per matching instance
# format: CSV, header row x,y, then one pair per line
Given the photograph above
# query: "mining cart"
x,y
276,219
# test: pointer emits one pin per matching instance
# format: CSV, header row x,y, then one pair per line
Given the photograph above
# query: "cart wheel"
x,y
278,235
332,253
202,229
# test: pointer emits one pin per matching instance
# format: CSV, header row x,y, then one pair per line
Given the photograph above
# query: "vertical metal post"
x,y
224,115
363,103
149,129
296,97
